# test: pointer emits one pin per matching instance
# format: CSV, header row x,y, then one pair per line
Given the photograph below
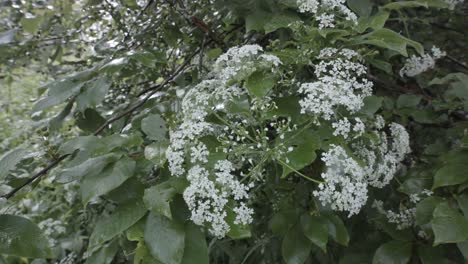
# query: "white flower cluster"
x,y
347,182
323,10
382,157
208,198
213,192
345,188
52,228
453,3
340,84
405,217
241,61
416,197
71,258
416,65
343,127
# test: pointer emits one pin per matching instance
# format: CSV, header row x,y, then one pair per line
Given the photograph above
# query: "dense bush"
x,y
241,131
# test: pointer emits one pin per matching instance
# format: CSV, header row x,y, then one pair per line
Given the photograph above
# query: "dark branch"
x,y
457,62
36,176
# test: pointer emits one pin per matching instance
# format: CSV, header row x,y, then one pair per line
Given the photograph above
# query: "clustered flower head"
x,y
382,156
341,83
347,182
208,196
215,190
416,65
345,188
52,228
325,10
405,216
240,62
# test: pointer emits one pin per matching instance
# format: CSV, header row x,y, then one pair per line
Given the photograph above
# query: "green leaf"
x,y
287,106
463,247
451,77
154,127
408,101
371,105
21,237
424,116
375,22
282,221
238,105
316,230
96,145
56,122
257,20
143,255
451,174
147,59
92,166
382,65
109,179
59,92
425,209
260,83
214,53
104,255
404,4
280,20
304,145
381,222
436,3
93,94
165,239
419,178
389,39
114,65
432,255
463,203
196,249
295,247
449,225
90,120
156,152
363,8
31,25
9,161
158,198
414,4
124,216
137,231
393,252
79,143
337,229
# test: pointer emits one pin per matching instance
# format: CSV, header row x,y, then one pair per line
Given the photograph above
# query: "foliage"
x,y
259,131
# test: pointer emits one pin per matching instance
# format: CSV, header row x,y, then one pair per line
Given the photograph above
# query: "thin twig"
x,y
152,90
197,22
150,2
200,62
457,61
35,176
